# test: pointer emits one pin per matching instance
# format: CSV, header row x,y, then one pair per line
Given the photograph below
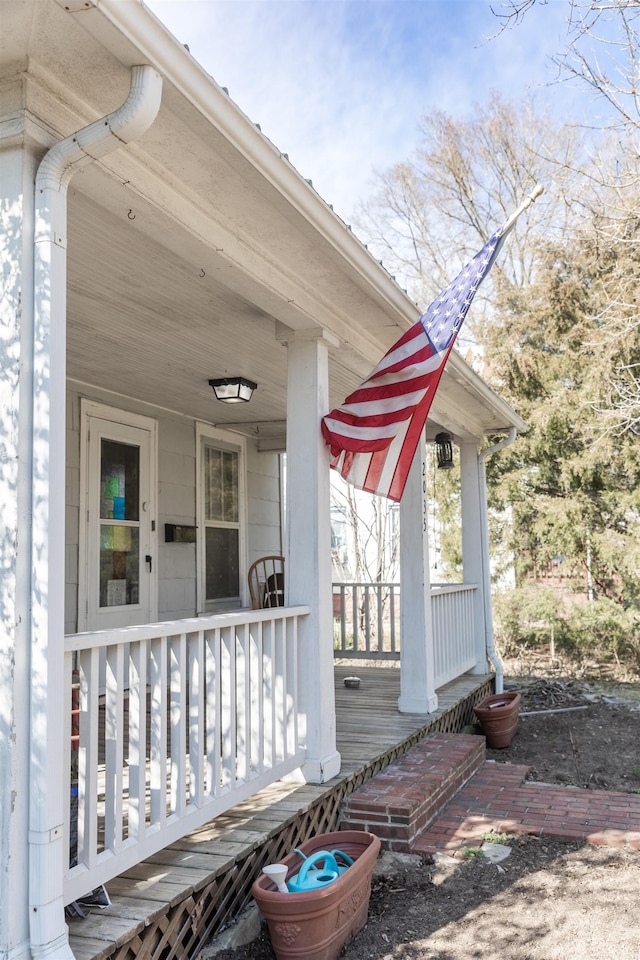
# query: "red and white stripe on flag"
x,y
373,435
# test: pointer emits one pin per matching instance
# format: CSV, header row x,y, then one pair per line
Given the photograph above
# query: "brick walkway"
x,y
497,798
443,795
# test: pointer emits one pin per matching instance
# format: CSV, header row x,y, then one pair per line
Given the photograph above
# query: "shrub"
x,y
603,628
536,615
527,615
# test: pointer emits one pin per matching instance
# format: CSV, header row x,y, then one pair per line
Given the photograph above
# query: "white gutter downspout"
x,y
492,656
48,845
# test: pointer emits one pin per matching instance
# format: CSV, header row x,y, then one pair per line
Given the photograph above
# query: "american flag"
x,y
374,434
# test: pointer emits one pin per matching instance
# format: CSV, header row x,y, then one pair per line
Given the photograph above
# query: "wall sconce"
x,y
444,451
233,389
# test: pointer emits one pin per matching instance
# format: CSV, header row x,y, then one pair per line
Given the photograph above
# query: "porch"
x,y
170,905
175,723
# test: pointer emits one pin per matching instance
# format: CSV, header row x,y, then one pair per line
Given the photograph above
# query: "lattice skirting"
x,y
189,925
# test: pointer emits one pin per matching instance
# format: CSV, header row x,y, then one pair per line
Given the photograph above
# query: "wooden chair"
x,y
266,582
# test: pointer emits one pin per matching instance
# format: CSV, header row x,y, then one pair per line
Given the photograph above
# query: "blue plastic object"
x,y
319,870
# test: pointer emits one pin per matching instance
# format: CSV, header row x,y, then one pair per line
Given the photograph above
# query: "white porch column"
x,y
48,785
308,553
472,545
417,659
17,173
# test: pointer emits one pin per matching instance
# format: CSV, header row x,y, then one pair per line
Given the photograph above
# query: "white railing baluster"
x,y
71,722
227,707
367,618
158,731
178,682
138,654
393,613
280,661
256,710
354,616
113,747
214,711
291,715
343,616
243,703
197,747
268,707
88,759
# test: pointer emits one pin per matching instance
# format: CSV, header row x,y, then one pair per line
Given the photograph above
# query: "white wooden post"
x,y
472,549
308,553
417,657
49,851
17,173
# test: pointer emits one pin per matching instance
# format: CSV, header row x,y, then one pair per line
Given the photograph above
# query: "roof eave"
x,y
133,34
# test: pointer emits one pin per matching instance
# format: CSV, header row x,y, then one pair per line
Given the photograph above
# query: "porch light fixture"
x,y
444,451
233,389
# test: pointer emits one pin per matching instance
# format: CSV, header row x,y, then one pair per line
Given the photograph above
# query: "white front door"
x,y
118,543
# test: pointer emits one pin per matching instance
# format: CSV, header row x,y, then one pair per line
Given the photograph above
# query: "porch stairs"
x,y
399,803
442,795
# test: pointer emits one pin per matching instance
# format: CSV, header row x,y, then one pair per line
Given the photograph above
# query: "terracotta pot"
x,y
316,924
498,715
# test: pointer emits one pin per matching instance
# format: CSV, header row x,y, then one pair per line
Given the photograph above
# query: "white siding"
x,y
263,492
176,504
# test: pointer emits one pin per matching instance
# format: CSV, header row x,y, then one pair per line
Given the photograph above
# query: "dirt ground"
x,y
548,900
596,746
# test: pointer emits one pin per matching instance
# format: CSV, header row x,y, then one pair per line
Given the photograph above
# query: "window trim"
x,y
222,440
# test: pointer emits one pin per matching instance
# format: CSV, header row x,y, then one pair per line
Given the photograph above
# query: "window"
x,y
222,526
221,541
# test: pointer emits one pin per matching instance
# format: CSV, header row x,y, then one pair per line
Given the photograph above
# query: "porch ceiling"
x,y
148,322
192,249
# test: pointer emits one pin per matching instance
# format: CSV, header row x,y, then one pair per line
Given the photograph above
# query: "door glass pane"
x,y
119,539
120,481
119,565
220,485
222,563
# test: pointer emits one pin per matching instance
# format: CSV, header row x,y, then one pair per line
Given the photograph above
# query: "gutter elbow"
x,y
126,124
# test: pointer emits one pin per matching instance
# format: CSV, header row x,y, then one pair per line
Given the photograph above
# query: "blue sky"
x,y
341,85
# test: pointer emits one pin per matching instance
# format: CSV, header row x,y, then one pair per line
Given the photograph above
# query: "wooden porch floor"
x,y
170,906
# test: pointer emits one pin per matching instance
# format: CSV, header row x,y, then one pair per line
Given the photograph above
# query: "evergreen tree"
x,y
573,480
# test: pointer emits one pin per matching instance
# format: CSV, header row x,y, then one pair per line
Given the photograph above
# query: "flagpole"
x,y
535,193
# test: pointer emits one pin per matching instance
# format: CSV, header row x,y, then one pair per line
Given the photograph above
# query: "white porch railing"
x,y
453,630
366,618
367,624
177,722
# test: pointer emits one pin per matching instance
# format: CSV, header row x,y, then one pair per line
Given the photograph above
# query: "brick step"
x,y
398,803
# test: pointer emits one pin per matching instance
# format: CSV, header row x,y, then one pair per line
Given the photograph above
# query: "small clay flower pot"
x,y
498,715
316,924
